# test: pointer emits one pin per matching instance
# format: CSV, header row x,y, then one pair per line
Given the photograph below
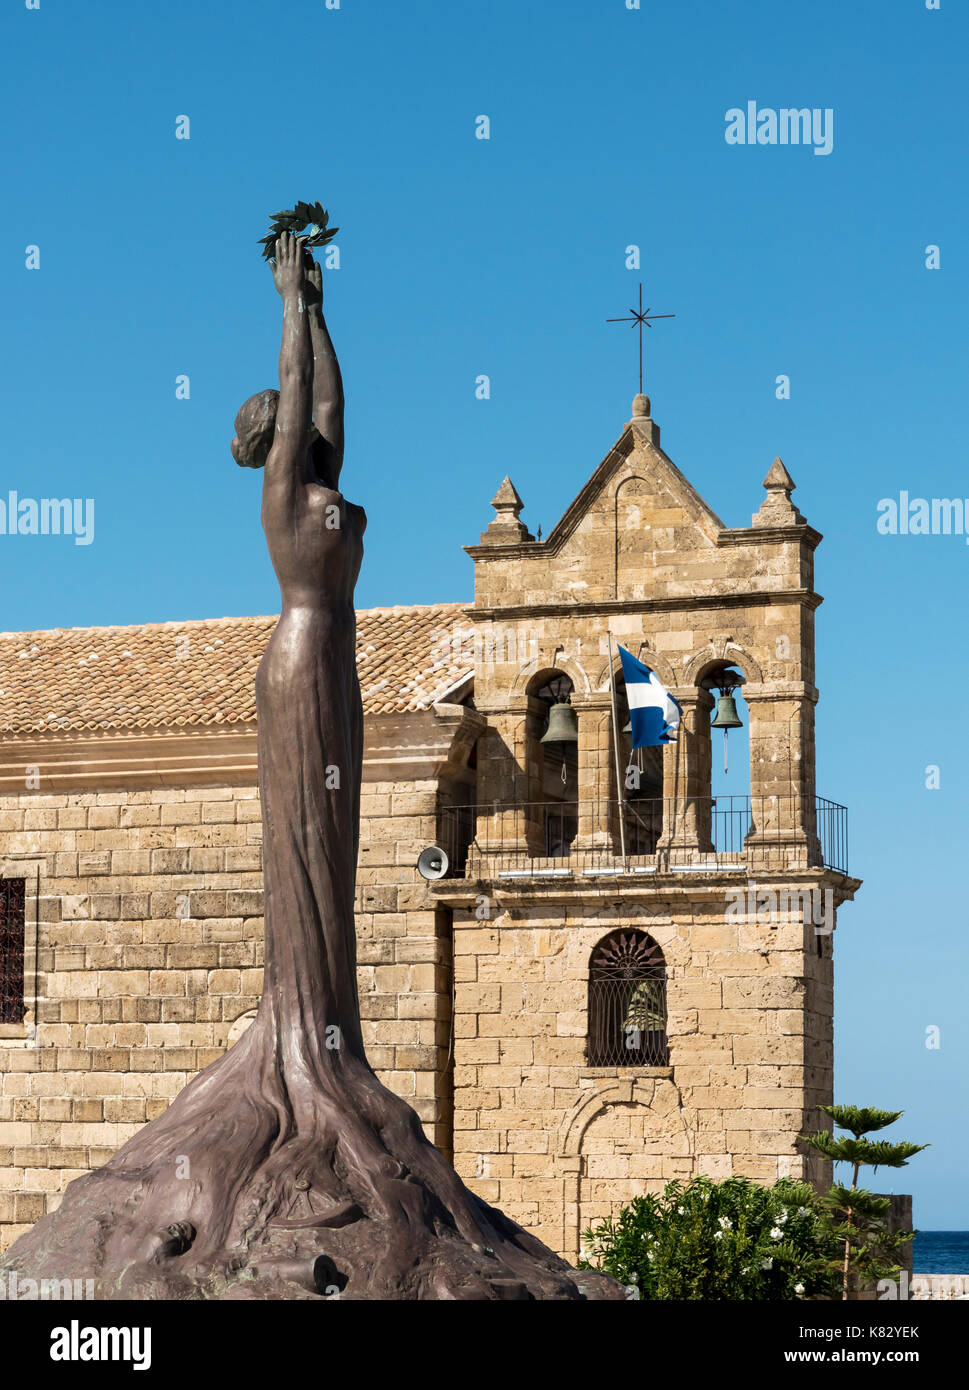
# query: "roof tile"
x,y
179,674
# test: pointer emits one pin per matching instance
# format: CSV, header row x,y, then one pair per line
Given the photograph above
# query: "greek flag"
x,y
653,712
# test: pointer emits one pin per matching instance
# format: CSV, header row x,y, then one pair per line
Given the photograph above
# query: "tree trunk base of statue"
x,y
255,1185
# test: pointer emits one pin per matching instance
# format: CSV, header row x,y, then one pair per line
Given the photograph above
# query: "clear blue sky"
x,y
505,257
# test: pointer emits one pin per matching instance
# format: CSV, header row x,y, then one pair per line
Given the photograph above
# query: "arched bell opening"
x,y
640,791
723,739
552,743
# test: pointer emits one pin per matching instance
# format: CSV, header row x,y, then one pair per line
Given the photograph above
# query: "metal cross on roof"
x,y
642,317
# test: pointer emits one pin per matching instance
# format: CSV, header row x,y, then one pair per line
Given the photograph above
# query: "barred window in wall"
x,y
12,950
627,1002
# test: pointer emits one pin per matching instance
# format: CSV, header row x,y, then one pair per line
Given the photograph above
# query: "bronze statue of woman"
x,y
286,1169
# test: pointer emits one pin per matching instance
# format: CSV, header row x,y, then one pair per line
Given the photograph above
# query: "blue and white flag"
x,y
653,712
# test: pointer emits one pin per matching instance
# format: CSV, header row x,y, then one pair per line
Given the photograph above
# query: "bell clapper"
x,y
726,717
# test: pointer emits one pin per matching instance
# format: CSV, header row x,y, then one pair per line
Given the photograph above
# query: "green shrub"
x,y
732,1240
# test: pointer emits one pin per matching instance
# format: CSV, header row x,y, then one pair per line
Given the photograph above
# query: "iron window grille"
x,y
627,1002
12,899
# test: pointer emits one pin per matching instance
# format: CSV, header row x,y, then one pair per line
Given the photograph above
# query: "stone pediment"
x,y
649,484
637,530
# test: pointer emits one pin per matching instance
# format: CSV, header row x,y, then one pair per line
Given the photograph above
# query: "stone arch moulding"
x,y
653,659
568,1162
626,482
612,1091
628,478
722,649
557,663
239,1026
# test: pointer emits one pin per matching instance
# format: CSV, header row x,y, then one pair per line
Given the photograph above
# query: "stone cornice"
x,y
807,598
629,888
161,758
780,690
729,536
505,552
501,704
597,700
420,745
771,535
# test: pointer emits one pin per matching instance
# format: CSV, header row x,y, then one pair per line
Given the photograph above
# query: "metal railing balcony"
x,y
567,839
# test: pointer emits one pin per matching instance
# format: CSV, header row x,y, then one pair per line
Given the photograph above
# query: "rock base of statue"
x,y
222,1198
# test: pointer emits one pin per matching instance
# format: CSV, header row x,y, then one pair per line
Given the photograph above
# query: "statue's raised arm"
x,y
296,432
288,459
327,384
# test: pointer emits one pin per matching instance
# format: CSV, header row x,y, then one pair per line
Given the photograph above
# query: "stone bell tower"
x,y
643,976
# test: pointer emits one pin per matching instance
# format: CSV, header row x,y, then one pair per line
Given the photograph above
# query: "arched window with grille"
x,y
627,1002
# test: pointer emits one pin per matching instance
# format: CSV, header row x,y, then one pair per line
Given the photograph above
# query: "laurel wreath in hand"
x,y
308,221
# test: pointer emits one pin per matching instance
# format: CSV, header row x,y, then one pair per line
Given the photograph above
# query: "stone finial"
x,y
506,529
645,429
777,509
779,479
506,500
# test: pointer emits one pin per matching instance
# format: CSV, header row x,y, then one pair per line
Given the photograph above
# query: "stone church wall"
x,y
144,960
559,1144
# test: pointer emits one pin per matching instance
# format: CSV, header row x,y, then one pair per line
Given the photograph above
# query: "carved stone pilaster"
x,y
686,778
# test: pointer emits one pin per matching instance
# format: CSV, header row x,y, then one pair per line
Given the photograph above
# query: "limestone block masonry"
x,y
137,837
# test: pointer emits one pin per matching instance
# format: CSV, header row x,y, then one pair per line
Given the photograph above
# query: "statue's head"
x,y
255,426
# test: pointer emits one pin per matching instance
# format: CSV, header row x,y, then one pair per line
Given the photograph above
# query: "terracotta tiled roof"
x,y
182,675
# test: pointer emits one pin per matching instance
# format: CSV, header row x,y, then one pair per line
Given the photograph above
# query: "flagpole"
x,y
615,744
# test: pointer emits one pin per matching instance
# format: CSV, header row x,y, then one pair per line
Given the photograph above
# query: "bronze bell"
x,y
726,716
563,727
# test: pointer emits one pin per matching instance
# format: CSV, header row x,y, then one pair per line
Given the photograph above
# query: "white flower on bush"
x,y
798,1288
802,1211
768,1263
782,1216
679,1211
634,1278
718,1235
725,1223
776,1233
650,1255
